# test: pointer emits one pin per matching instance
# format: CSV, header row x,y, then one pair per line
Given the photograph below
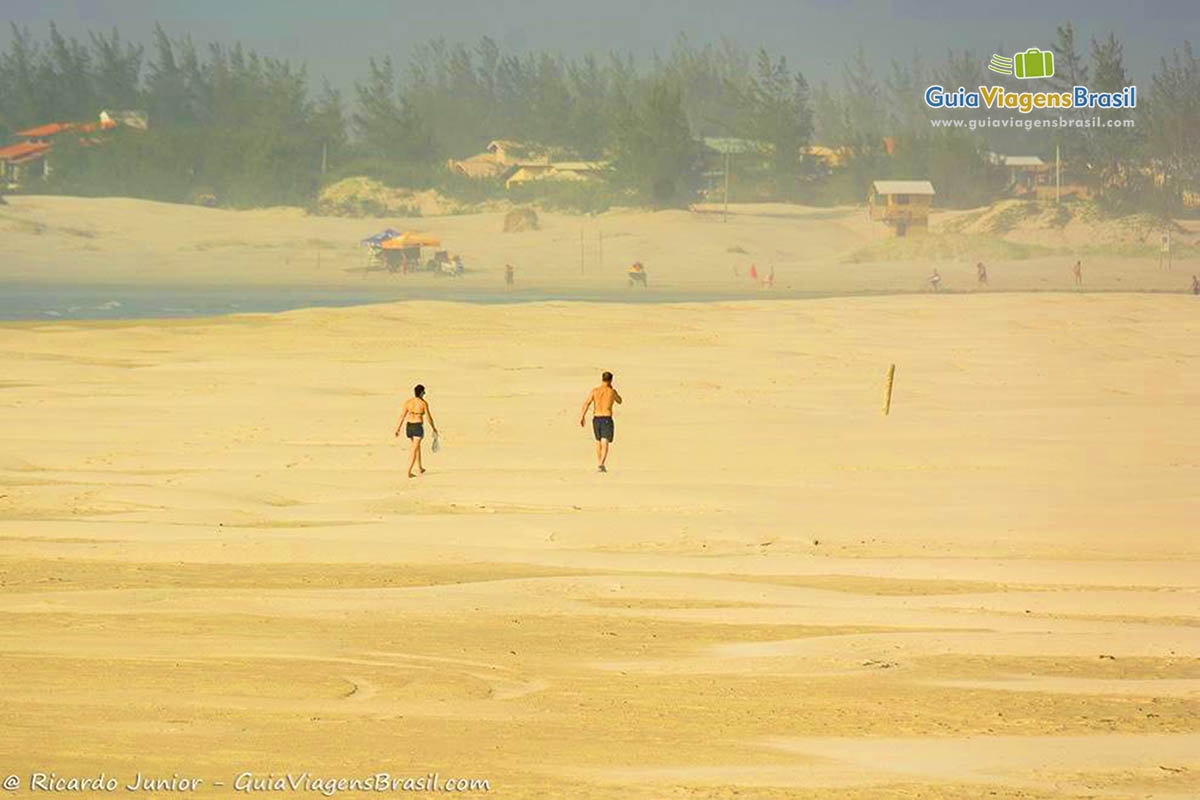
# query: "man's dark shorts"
x,y
603,428
415,430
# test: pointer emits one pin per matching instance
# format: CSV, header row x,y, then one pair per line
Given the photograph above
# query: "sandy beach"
x,y
211,561
702,253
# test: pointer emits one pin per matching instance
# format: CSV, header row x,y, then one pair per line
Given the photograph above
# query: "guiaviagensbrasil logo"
x,y
1033,63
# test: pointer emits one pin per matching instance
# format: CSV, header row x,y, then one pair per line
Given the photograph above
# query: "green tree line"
x,y
252,130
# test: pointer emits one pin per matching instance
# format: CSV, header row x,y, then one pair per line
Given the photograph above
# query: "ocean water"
x,y
31,301
47,302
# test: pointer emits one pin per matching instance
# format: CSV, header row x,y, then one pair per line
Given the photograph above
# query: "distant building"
x,y
751,157
1026,173
478,167
509,151
138,120
498,158
830,157
28,158
521,173
515,163
901,205
22,161
715,155
722,145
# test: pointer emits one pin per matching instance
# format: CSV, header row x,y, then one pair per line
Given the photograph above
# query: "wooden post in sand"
x,y
887,395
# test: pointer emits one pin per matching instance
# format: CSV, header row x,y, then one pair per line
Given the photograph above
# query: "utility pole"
x,y
725,217
581,249
1057,174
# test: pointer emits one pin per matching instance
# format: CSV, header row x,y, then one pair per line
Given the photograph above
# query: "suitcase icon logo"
x,y
1033,63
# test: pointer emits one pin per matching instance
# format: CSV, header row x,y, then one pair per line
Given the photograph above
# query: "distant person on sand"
x,y
637,274
754,273
935,281
1195,285
1077,271
601,398
771,278
981,274
509,276
418,409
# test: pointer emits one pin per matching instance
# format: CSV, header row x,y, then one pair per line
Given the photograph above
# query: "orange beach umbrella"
x,y
410,239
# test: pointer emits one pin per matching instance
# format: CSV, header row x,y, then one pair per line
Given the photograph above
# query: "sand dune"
x,y
210,560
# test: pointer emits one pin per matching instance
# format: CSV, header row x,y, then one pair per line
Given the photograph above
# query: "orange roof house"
x,y
27,158
20,161
43,131
23,152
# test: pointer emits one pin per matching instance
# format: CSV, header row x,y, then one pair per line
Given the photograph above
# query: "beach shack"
x,y
1026,173
901,205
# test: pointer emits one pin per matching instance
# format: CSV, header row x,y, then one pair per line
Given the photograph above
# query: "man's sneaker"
x,y
601,468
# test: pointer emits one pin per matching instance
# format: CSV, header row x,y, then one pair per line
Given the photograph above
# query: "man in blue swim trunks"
x,y
602,398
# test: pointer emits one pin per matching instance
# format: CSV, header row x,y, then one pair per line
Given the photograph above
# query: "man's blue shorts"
x,y
603,428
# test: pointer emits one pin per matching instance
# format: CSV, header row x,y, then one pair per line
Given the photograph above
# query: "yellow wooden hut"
x,y
901,205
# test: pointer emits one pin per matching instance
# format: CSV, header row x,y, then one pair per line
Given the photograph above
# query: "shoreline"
x,y
58,246
236,300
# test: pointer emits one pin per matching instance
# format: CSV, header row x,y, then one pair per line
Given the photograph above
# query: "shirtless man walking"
x,y
418,409
602,398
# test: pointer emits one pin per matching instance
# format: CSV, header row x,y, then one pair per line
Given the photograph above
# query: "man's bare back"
x,y
603,397
600,400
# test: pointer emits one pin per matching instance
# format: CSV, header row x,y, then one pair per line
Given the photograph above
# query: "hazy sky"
x,y
335,38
